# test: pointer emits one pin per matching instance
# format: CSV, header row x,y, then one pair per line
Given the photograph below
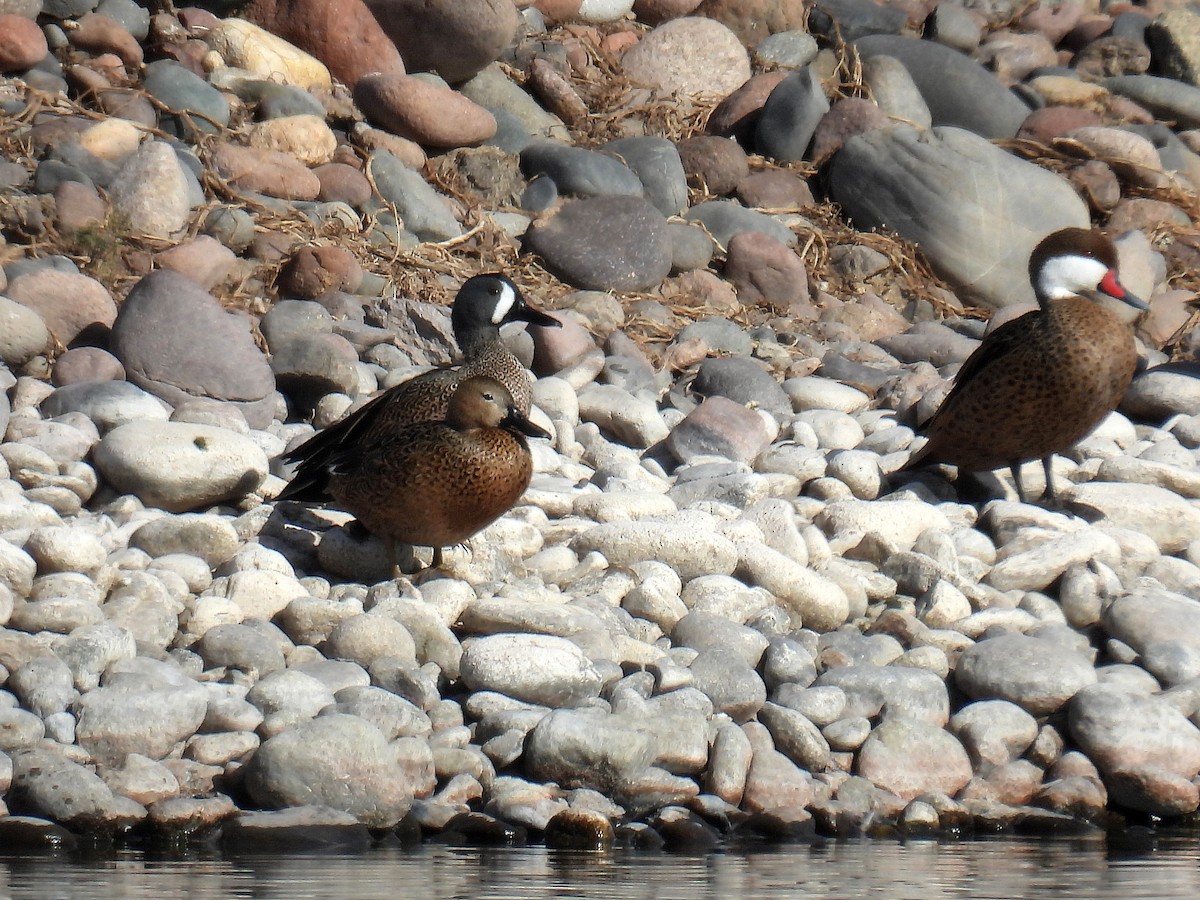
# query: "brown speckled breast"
x,y
1034,387
433,486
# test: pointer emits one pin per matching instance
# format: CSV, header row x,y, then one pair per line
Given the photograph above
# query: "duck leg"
x,y
1015,468
1049,494
436,563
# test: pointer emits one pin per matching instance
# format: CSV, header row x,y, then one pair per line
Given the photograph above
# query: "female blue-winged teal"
x,y
482,305
434,484
1040,383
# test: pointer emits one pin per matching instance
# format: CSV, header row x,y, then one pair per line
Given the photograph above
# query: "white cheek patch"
x,y
1064,276
504,304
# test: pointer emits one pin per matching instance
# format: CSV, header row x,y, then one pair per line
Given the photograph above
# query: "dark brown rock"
x,y
1045,124
99,34
737,115
316,270
714,163
457,40
774,189
753,20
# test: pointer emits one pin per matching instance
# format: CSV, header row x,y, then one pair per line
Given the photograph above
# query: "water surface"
x,y
1137,865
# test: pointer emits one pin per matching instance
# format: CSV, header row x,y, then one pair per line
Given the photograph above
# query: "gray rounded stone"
x,y
107,403
790,116
605,243
309,764
655,161
1036,675
536,668
179,466
909,758
575,170
957,89
725,218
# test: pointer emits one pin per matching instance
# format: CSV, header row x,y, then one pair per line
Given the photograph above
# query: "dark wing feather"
x,y
420,399
996,347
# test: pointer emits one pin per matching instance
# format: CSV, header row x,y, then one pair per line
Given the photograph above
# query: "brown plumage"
x,y
1040,383
435,484
483,304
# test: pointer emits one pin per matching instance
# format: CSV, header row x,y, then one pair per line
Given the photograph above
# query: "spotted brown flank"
x,y
1040,383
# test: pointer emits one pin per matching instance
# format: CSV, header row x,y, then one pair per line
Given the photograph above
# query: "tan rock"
x,y
305,137
250,47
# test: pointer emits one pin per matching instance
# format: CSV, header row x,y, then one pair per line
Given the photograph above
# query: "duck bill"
x,y
526,313
1111,286
519,422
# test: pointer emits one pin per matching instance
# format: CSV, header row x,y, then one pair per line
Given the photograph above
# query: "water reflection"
x,y
1137,866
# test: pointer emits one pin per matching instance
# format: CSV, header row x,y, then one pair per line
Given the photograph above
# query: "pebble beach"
x,y
771,231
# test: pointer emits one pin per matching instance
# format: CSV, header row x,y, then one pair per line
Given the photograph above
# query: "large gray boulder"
x,y
976,211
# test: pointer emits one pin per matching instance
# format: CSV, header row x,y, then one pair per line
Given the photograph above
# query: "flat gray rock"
x,y
1163,627
605,243
1122,729
790,116
655,161
176,341
1036,675
957,89
976,211
308,765
575,170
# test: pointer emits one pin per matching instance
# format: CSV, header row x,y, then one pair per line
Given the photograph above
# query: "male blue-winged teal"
x,y
482,305
1040,383
434,484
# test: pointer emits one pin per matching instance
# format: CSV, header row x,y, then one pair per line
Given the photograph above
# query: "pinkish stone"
x,y
847,117
67,301
77,206
22,44
689,56
721,427
554,349
1055,22
265,171
431,115
1013,55
1045,124
204,260
98,33
767,273
344,183
86,364
343,34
